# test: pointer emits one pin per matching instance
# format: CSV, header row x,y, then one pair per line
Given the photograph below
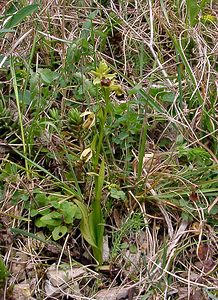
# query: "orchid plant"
x,y
106,79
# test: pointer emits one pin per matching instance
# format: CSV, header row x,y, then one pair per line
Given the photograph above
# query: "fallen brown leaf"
x,y
197,295
207,266
203,251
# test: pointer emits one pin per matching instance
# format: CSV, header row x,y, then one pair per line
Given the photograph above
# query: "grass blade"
x,y
19,114
179,48
20,15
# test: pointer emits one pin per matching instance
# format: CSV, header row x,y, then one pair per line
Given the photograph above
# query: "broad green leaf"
x,y
56,205
20,15
53,198
97,229
41,200
44,212
51,222
69,210
48,76
59,232
33,213
39,223
167,97
34,84
52,219
117,194
52,215
84,224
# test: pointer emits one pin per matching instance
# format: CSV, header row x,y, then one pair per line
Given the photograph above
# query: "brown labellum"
x,y
193,196
105,82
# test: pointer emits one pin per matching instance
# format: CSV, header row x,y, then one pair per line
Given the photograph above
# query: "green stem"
x,y
96,219
103,118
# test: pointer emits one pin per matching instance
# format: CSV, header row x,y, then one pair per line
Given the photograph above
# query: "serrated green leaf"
x,y
68,210
20,15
